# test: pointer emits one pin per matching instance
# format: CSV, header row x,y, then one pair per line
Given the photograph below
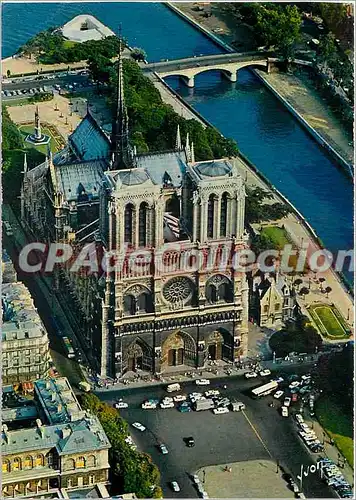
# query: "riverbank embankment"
x,y
301,100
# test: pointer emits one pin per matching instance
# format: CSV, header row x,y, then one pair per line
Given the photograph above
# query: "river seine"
x,y
246,111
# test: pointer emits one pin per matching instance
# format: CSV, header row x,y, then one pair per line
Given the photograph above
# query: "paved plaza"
x,y
252,479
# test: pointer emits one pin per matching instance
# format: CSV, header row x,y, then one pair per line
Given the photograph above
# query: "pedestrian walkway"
x,y
252,479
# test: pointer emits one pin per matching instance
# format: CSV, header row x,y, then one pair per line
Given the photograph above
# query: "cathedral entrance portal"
x,y
138,357
215,345
178,349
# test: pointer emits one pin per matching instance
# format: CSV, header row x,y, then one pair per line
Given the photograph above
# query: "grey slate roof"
x,y
133,177
214,168
89,141
72,178
157,164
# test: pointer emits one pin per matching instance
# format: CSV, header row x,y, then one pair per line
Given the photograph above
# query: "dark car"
x,y
190,442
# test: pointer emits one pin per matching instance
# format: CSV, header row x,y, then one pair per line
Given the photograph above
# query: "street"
x,y
259,432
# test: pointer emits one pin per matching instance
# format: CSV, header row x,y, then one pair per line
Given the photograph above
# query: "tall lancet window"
x,y
129,214
223,214
210,227
142,225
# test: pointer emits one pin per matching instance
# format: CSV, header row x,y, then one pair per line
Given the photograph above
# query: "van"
x,y
237,406
173,388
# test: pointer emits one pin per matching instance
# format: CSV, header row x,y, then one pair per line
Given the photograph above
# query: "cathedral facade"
x,y
174,298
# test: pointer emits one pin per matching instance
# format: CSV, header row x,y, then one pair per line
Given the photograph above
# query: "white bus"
x,y
265,389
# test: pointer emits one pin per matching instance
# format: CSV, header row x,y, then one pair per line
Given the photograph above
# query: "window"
x,y
91,461
142,225
129,213
211,207
80,462
17,464
276,307
39,460
70,464
265,309
6,466
223,214
28,462
91,479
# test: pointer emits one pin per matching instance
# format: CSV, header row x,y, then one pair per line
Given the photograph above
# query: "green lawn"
x,y
329,321
29,129
338,425
278,236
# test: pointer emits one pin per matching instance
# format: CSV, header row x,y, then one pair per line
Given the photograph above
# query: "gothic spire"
x,y
25,167
187,148
121,150
192,155
178,140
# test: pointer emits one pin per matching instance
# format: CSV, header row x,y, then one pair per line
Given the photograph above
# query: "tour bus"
x,y
173,388
265,389
69,347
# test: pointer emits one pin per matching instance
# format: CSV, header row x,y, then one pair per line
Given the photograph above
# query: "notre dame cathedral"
x,y
186,304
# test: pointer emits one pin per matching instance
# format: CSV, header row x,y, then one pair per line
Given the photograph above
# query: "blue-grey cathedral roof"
x,y
89,141
76,179
159,164
214,168
133,177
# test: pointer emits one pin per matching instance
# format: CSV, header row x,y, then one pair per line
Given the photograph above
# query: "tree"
x,y
131,470
99,68
327,52
257,211
298,282
304,291
138,54
328,289
279,26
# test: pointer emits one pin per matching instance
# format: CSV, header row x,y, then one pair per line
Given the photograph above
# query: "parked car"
x,y
179,398
265,373
184,408
285,412
121,405
221,410
212,392
278,394
251,375
294,384
287,402
148,405
294,398
139,426
163,449
166,405
202,381
175,486
190,441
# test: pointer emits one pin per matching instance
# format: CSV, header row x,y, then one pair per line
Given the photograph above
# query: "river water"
x,y
246,111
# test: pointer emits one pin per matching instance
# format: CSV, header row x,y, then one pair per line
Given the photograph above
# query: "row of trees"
x,y
275,25
258,208
131,471
153,124
50,47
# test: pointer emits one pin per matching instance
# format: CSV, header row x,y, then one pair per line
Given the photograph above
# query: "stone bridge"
x,y
228,64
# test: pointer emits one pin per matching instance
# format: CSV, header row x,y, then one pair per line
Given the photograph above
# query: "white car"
x,y
164,406
163,449
147,405
202,381
278,394
251,375
179,398
294,384
212,392
121,405
167,399
285,412
287,402
139,426
175,486
221,410
195,395
265,373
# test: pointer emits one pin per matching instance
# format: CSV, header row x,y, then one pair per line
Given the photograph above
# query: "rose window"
x,y
178,290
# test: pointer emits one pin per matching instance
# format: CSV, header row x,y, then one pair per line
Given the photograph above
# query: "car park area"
x,y
235,436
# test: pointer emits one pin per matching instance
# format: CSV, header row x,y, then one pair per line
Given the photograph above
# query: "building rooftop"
x,y
89,141
8,270
81,181
57,400
85,27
